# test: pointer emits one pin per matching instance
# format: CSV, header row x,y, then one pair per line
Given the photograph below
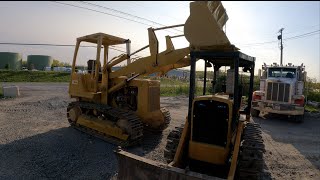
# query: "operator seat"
x,y
91,64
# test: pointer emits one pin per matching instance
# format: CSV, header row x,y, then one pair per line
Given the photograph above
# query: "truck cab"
x,y
281,91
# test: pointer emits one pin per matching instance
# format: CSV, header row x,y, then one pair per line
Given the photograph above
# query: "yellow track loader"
x,y
217,141
115,105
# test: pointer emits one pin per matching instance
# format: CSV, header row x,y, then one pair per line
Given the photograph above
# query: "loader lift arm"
x,y
161,62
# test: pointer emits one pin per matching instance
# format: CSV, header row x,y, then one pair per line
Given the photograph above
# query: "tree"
x,y
24,63
57,63
66,64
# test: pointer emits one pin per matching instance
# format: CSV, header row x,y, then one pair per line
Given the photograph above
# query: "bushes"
x,y
34,76
174,90
314,96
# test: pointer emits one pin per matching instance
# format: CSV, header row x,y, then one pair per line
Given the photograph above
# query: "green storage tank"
x,y
10,60
39,62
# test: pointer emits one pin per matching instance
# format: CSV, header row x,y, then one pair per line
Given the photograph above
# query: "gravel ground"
x,y
36,141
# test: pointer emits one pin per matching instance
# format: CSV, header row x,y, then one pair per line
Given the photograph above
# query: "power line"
x,y
100,12
305,27
304,35
135,3
294,32
254,44
36,44
61,45
121,12
293,37
108,14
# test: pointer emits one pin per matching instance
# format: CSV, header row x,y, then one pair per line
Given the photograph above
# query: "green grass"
x,y
179,90
177,87
168,86
313,96
33,76
167,81
311,108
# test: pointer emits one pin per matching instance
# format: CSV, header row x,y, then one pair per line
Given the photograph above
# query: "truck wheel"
x,y
255,113
299,118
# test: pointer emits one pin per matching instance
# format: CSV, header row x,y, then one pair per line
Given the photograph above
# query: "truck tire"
x,y
255,113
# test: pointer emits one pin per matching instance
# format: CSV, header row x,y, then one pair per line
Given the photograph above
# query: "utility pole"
x,y
281,45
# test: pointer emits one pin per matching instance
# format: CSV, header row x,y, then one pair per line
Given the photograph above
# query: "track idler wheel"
x,y
167,118
173,139
73,113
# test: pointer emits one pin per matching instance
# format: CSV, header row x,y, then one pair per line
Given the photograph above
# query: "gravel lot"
x,y
36,141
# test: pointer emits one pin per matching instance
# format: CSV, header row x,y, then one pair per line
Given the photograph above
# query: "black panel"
x,y
210,122
91,64
287,92
269,91
275,92
281,92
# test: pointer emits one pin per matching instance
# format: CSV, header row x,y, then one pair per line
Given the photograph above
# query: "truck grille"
x,y
278,92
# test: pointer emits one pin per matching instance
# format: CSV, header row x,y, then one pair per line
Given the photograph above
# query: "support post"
x,y
205,77
105,76
75,56
235,88
192,84
214,82
281,45
97,64
250,91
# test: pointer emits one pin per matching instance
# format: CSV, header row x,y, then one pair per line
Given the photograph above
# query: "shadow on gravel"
x,y
303,136
149,142
58,154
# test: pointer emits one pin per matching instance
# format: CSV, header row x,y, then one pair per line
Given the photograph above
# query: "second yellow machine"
x,y
116,105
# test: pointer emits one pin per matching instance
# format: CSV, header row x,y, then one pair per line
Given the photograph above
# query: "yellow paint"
x,y
103,126
208,153
89,88
210,15
204,25
235,152
148,99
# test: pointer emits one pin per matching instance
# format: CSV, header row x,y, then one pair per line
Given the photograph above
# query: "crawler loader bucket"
x,y
133,167
204,25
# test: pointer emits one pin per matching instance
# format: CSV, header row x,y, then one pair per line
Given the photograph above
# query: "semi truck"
x,y
281,91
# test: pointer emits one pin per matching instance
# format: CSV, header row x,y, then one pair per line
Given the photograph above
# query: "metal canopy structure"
x,y
224,58
219,58
107,39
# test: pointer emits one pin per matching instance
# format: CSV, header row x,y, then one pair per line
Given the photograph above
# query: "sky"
x,y
252,26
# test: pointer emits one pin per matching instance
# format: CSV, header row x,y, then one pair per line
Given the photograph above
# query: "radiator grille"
x,y
278,92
